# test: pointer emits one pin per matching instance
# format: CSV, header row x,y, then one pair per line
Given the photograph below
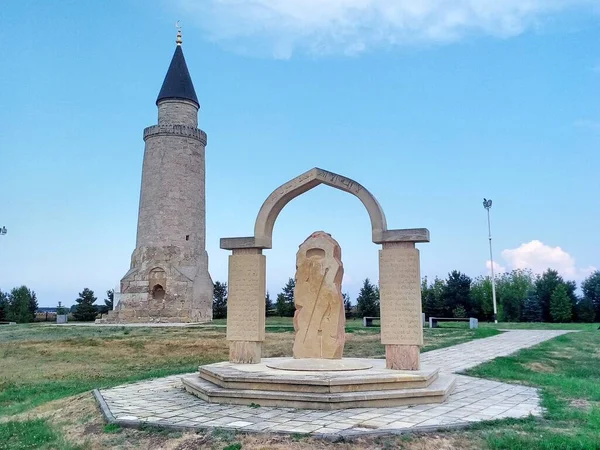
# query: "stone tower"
x,y
168,280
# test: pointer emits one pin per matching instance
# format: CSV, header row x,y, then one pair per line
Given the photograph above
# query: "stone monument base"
x,y
319,365
366,387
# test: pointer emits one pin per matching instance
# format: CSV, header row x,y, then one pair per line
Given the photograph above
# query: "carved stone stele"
x,y
319,319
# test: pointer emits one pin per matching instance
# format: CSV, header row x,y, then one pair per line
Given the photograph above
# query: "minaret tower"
x,y
169,280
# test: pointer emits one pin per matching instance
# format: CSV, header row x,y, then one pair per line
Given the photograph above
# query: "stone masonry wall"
x,y
169,280
178,111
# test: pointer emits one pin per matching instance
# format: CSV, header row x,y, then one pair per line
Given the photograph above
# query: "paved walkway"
x,y
164,402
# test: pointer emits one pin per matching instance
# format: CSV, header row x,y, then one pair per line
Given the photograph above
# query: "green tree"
x,y
347,305
545,286
481,298
268,304
572,294
532,309
459,312
431,297
86,310
591,290
33,305
367,302
3,305
586,311
561,307
110,298
22,305
285,300
512,289
456,292
61,310
219,300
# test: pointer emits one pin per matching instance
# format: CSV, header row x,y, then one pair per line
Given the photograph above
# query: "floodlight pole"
x,y
487,204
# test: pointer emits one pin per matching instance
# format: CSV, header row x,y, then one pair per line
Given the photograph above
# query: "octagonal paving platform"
x,y
164,401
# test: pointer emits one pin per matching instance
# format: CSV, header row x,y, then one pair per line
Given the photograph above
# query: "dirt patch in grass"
x,y
583,404
540,367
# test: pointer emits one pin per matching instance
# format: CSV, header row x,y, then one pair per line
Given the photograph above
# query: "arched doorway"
x,y
399,275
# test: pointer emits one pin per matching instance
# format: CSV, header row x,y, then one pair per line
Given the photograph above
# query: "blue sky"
x,y
431,109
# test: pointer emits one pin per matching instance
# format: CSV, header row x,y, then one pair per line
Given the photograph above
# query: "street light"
x,y
3,231
487,204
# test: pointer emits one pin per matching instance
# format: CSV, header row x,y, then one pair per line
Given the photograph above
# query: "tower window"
x,y
158,292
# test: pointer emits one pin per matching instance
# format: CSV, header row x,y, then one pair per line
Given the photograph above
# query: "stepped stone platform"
x,y
164,403
318,384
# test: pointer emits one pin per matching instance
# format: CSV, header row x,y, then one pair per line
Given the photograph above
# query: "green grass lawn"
x,y
30,434
540,326
41,363
567,369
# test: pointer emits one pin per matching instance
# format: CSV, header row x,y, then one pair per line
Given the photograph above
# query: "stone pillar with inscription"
x,y
246,305
400,303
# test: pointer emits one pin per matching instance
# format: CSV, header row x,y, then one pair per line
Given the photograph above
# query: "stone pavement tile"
x,y
189,414
306,428
326,430
260,426
239,424
269,414
341,425
414,419
167,415
430,422
126,417
398,425
366,416
201,419
152,419
242,415
186,423
218,422
287,427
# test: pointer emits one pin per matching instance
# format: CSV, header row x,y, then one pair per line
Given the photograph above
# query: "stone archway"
x,y
263,228
399,275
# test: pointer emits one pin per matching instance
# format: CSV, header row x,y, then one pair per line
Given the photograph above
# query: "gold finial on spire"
x,y
179,41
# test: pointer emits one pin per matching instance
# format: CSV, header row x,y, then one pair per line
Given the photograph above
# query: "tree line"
x,y
20,305
367,301
521,296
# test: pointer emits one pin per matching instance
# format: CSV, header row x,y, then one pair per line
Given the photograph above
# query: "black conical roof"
x,y
178,83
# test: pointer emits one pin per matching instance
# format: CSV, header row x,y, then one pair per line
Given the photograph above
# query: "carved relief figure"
x,y
319,319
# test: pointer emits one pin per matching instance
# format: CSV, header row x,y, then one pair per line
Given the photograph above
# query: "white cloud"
x,y
538,257
497,267
353,26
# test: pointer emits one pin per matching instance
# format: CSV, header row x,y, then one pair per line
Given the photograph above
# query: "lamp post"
x,y
487,204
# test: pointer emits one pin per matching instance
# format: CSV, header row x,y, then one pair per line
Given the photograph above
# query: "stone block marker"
x,y
400,303
319,319
246,305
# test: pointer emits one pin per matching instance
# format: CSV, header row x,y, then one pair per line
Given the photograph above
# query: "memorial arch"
x,y
399,275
